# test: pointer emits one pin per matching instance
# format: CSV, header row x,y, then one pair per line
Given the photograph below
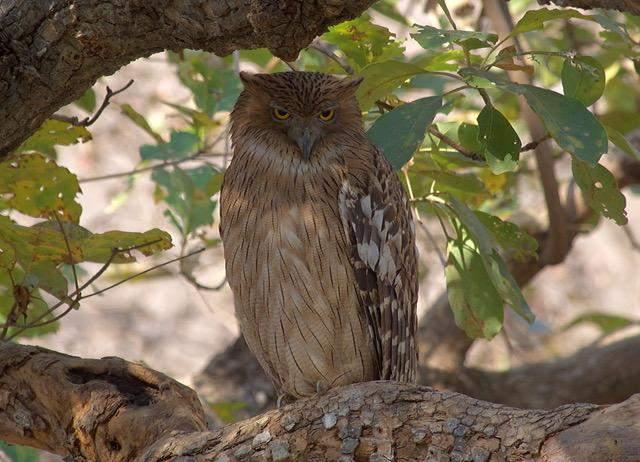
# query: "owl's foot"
x,y
321,387
283,400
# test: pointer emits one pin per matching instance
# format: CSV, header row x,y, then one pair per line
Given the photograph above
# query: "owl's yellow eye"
x,y
327,115
280,114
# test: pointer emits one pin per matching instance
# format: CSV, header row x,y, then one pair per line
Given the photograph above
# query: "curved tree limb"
x,y
92,409
113,410
51,52
596,374
629,6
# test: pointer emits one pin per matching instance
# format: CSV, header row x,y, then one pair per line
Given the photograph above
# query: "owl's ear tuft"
x,y
250,81
350,85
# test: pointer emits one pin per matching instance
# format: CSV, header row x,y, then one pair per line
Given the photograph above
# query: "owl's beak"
x,y
306,139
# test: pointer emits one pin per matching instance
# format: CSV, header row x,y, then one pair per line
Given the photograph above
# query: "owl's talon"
x,y
321,387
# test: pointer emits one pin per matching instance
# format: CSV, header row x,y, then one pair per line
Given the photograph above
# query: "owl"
x,y
319,241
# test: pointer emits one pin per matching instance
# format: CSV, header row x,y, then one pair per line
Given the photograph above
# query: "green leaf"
x,y
507,286
509,236
495,266
501,142
46,276
380,79
600,190
7,255
99,247
608,323
214,184
87,101
452,182
52,133
37,243
583,79
36,186
469,136
182,144
188,195
45,242
621,142
214,84
35,308
363,42
429,38
477,307
400,132
535,19
140,121
569,122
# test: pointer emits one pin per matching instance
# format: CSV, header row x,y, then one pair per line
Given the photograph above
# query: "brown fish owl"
x,y
318,237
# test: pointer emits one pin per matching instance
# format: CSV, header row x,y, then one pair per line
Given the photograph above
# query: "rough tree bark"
x,y
113,410
52,51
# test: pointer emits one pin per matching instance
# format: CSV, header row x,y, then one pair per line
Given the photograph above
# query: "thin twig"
x,y
9,323
145,169
447,13
90,120
192,280
410,191
534,144
76,296
326,49
66,242
290,65
173,260
457,146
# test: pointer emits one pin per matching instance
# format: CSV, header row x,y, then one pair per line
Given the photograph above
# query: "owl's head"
x,y
302,109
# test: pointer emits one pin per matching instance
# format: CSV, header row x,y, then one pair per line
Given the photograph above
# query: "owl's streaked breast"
x,y
288,266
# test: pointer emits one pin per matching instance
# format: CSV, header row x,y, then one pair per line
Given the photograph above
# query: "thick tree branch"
x,y
94,409
596,374
629,6
112,410
51,52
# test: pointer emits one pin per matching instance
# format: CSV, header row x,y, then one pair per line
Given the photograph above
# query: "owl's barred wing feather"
x,y
378,224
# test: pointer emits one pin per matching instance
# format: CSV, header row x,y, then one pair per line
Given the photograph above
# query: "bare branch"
x,y
90,120
90,39
326,49
153,268
457,146
629,6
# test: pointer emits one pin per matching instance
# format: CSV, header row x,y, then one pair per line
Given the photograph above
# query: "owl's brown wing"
x,y
379,227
